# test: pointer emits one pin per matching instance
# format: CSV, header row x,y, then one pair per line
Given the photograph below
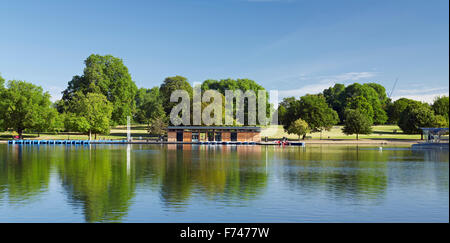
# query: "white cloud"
x,y
55,92
428,98
425,95
324,82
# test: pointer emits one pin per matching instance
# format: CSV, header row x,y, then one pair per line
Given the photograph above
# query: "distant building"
x,y
213,133
433,135
433,139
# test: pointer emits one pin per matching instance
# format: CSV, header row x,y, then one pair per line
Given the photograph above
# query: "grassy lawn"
x,y
120,132
379,132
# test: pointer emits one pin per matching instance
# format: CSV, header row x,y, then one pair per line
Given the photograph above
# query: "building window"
x,y
233,136
179,136
218,136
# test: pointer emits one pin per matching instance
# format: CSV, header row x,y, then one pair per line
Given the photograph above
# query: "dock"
x,y
88,142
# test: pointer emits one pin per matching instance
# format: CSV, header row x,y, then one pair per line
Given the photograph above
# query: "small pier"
x,y
66,142
87,142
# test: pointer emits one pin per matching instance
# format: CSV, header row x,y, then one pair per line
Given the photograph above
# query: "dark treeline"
x,y
357,107
105,95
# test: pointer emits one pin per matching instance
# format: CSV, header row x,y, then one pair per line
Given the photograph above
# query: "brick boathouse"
x,y
194,134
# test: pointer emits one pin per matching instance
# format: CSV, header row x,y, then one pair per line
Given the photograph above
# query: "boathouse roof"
x,y
258,129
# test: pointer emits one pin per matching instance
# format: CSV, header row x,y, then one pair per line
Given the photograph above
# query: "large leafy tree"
x,y
149,105
105,75
299,127
335,98
314,110
362,105
339,96
238,84
416,116
90,113
395,109
25,106
2,88
441,107
356,122
283,107
371,95
169,85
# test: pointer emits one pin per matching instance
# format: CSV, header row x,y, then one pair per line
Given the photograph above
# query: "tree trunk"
x,y
357,137
20,132
90,134
304,136
96,136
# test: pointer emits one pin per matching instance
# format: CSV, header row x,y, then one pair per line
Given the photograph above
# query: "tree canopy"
x,y
171,84
416,116
106,75
25,106
339,96
149,105
395,109
356,122
90,113
441,106
299,127
314,110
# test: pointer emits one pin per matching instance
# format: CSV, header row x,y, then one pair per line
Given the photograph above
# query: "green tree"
x,y
363,106
157,126
299,127
149,106
283,107
335,99
169,85
314,110
441,106
356,122
395,109
441,121
24,106
416,116
49,122
90,113
373,93
239,84
106,75
2,88
381,91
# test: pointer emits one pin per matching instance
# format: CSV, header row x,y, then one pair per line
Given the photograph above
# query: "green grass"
x,y
120,132
379,132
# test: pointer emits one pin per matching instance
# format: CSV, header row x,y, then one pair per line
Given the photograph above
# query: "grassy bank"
x,y
386,132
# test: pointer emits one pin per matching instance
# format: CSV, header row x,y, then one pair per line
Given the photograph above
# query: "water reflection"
x,y
102,181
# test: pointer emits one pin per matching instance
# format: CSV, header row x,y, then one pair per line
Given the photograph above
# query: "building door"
x,y
179,136
233,136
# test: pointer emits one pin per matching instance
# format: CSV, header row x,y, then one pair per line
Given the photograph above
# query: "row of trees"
x,y
358,107
103,96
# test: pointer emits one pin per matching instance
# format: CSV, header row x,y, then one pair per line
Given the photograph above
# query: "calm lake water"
x,y
201,183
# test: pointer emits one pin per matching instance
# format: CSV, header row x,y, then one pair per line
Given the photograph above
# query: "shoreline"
x,y
307,142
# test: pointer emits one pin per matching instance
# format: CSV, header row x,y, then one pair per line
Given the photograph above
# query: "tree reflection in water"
x,y
103,180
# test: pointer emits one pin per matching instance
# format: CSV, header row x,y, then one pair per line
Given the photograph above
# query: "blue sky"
x,y
294,46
